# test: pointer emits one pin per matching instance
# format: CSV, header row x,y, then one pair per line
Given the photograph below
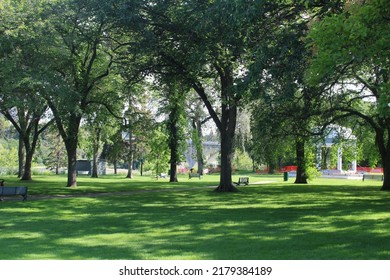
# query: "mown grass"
x,y
326,219
55,185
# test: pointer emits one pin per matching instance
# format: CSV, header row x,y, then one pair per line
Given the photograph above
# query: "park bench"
x,y
192,175
10,191
242,181
372,177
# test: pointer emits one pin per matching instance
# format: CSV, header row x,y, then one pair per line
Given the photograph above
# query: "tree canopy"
x,y
294,65
351,61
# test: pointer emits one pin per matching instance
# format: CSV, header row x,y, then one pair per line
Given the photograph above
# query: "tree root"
x,y
230,188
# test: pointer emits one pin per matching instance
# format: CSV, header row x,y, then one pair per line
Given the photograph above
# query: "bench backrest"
x,y
373,176
243,179
13,190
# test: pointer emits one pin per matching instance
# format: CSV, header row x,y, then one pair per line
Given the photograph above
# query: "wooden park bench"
x,y
10,191
192,175
242,181
372,177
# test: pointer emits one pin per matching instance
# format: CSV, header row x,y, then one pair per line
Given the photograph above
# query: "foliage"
x,y
53,149
8,159
158,155
242,161
311,170
351,61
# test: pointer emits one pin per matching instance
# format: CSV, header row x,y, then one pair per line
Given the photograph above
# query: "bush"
x,y
242,161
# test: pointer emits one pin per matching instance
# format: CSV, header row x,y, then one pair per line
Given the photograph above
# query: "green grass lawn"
x,y
326,219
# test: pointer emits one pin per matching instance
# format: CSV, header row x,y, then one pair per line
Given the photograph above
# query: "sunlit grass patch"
x,y
331,219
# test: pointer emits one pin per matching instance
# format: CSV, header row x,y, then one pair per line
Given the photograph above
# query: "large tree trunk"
x,y
173,163
71,149
386,175
226,124
21,157
30,146
226,184
71,142
383,145
384,149
228,127
173,173
197,141
301,163
173,140
27,174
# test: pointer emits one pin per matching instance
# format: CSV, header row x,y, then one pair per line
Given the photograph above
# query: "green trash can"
x,y
285,176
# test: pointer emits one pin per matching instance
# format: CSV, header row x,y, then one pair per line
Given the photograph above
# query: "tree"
x,y
202,40
29,126
198,118
113,149
159,151
102,117
290,107
21,91
56,154
175,122
99,125
351,60
80,59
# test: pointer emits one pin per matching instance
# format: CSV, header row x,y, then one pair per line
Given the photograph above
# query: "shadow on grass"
x,y
280,221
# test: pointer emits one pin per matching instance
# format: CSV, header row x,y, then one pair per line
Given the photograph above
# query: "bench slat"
x,y
191,175
242,180
10,191
372,177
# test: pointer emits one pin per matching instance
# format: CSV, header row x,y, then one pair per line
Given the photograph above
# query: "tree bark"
x,y
27,174
199,148
130,169
71,142
115,167
71,149
384,149
30,140
386,176
21,157
226,183
173,140
131,157
95,159
271,167
227,131
95,166
301,162
28,129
